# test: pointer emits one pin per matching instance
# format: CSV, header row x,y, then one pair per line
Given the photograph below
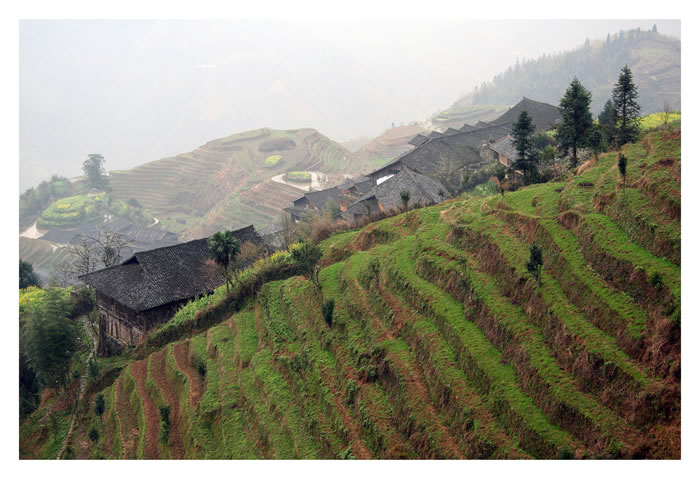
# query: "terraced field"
x,y
388,145
203,191
441,344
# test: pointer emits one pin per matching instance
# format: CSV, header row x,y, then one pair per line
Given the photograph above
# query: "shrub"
x,y
327,311
351,393
164,423
534,266
99,405
272,161
93,435
656,281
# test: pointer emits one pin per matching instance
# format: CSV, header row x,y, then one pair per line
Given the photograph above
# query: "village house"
x,y
148,288
386,196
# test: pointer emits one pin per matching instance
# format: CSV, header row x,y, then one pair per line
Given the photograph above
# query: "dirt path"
x,y
32,232
83,384
161,380
181,353
139,370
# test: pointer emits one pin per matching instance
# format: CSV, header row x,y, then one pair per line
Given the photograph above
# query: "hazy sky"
x,y
138,91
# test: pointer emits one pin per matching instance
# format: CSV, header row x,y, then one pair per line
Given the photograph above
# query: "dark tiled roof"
x,y
435,134
156,277
418,140
505,147
423,190
58,236
318,199
248,233
452,131
544,115
466,127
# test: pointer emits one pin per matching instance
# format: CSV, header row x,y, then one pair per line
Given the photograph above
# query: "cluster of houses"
x,y
150,286
432,170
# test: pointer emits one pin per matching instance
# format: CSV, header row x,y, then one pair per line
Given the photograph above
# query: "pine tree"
x,y
576,120
622,167
626,109
607,121
522,132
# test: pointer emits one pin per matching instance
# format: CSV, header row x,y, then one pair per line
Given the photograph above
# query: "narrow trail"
x,y
83,385
181,354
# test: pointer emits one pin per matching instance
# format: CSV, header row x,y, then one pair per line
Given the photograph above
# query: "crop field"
x,y
441,343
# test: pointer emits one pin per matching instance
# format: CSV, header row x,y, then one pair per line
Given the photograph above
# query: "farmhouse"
x,y
505,149
149,287
386,195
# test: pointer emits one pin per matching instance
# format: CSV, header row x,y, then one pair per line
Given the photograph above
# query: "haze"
x,y
137,91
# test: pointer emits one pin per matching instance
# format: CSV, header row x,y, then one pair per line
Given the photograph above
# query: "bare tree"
x,y
289,230
109,245
85,257
666,114
63,275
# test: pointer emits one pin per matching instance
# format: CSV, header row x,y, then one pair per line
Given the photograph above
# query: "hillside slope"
x,y
655,61
442,345
198,193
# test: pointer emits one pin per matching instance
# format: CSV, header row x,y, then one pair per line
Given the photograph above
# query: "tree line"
x,y
618,124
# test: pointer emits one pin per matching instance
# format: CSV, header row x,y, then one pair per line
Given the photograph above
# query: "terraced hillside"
x,y
441,344
388,145
199,193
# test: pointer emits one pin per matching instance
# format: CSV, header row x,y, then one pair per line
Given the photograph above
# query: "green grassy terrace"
x,y
441,344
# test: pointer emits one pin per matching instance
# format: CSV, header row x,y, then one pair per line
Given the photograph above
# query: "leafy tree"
x,y
522,133
307,255
27,276
99,405
50,338
576,120
622,168
223,248
534,266
94,169
405,198
331,209
626,109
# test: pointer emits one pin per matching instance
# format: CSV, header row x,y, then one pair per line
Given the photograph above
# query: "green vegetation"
x,y
541,323
272,161
73,211
299,176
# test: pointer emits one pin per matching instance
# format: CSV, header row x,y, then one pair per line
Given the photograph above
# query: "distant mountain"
x,y
655,61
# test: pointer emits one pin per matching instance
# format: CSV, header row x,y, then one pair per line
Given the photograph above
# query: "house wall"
x,y
121,326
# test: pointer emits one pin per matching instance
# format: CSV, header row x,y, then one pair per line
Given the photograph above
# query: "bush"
x,y
99,405
656,281
327,311
351,393
164,423
272,161
93,435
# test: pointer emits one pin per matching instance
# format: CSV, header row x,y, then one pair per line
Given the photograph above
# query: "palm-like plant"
x,y
223,248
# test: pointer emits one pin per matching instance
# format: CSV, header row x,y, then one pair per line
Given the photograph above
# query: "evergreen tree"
x,y
626,109
405,198
522,133
27,276
622,168
534,266
606,118
576,120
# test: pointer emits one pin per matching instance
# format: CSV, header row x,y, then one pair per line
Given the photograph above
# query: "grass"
x,y
441,343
